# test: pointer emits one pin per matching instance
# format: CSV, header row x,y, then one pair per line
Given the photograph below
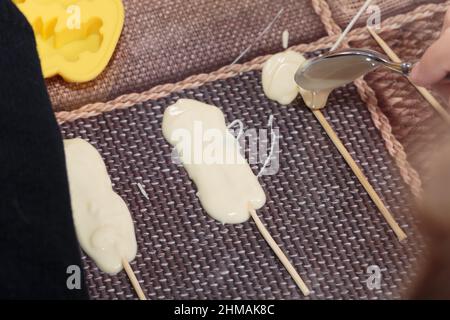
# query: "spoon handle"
x,y
401,67
405,68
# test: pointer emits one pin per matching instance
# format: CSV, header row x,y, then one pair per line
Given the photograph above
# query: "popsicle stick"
x,y
360,175
134,281
424,92
278,252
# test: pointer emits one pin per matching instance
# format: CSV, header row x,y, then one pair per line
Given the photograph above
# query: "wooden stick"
x,y
134,281
360,175
424,92
279,253
351,24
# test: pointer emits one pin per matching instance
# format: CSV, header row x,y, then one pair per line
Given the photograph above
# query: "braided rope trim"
x,y
367,94
191,82
323,10
128,100
156,92
394,147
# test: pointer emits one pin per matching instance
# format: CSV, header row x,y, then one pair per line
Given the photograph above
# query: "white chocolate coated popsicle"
x,y
225,182
102,220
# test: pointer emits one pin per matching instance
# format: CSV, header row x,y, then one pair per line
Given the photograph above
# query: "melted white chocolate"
x,y
315,99
279,84
102,220
278,76
227,187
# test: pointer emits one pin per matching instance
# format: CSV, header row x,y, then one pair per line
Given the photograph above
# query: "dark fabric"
x,y
37,238
316,209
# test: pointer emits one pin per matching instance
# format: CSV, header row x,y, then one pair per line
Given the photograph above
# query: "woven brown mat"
x,y
344,11
414,122
316,209
167,41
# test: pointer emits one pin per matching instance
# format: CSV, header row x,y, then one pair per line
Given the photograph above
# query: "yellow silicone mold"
x,y
75,38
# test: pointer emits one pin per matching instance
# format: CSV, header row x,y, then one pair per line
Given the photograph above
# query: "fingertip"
x,y
415,76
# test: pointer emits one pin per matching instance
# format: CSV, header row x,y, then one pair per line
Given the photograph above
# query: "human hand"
x,y
434,65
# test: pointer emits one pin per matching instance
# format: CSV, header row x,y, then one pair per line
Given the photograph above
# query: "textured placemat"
x,y
344,11
168,40
315,208
414,122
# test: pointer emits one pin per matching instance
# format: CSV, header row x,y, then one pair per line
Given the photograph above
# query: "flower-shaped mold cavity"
x,y
75,38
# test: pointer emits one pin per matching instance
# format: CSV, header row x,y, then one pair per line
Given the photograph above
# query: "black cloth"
x,y
37,236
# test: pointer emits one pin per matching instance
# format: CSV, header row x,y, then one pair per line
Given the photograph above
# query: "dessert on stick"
x,y
279,85
227,188
102,220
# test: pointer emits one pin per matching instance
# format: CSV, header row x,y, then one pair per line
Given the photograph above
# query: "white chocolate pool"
x,y
102,220
225,182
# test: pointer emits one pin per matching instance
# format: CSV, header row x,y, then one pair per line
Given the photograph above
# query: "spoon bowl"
x,y
338,68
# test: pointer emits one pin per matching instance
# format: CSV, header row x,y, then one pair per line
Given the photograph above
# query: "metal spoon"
x,y
338,68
